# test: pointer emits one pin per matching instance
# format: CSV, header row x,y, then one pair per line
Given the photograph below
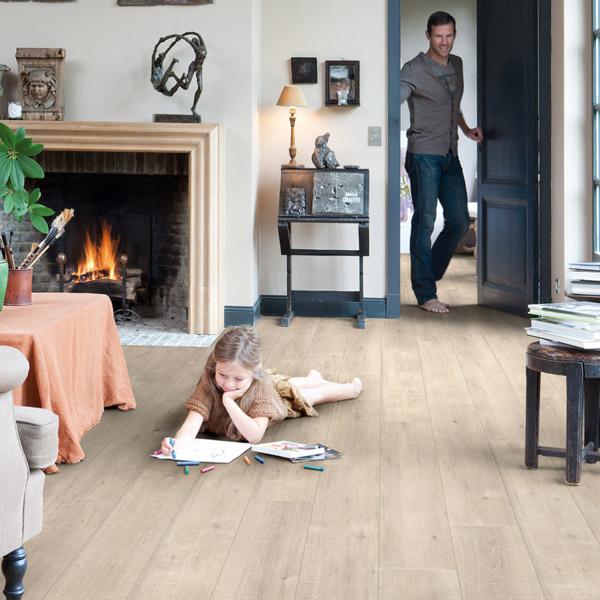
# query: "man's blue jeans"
x,y
431,177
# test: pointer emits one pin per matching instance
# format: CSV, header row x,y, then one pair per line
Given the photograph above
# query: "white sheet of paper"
x,y
213,451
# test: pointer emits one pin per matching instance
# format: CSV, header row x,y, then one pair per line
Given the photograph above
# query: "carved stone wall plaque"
x,y
41,83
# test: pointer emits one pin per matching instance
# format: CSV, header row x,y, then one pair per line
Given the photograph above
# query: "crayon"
x,y
314,468
172,442
246,459
207,469
187,470
157,452
259,459
182,463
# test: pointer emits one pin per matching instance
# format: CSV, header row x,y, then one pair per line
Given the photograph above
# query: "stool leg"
x,y
532,418
574,445
592,414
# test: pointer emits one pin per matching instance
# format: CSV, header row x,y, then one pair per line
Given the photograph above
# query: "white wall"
x,y
332,30
109,49
571,136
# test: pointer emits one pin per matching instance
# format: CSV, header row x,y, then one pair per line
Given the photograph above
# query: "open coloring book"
x,y
213,451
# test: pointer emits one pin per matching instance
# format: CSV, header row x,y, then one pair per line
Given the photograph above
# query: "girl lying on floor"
x,y
237,398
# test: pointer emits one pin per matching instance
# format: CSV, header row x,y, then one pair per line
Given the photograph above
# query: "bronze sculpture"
x,y
166,81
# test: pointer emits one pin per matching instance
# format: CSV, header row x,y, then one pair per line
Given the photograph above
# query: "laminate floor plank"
x,y
493,562
343,531
473,489
414,530
562,546
418,584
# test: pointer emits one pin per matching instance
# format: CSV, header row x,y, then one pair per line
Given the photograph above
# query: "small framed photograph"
x,y
342,83
304,70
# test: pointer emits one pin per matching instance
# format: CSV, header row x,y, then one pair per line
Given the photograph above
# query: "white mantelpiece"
x,y
204,146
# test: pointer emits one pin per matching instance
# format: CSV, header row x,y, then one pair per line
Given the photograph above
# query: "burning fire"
x,y
100,256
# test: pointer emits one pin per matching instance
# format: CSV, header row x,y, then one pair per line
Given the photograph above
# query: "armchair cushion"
x,y
38,431
14,369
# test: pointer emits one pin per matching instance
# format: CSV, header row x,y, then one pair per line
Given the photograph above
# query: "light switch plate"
x,y
374,135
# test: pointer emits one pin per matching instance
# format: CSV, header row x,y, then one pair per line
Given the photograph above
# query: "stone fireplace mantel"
x,y
203,145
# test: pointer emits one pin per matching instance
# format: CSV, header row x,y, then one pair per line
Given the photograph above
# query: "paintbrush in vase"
x,y
56,230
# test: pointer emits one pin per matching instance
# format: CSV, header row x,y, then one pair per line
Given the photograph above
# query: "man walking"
x,y
432,83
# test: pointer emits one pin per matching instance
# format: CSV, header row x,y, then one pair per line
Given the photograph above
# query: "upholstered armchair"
x,y
29,444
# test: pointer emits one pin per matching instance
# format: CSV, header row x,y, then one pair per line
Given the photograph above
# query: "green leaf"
x,y
40,209
38,222
3,148
23,144
17,178
34,197
33,150
7,136
4,170
9,203
20,133
20,211
30,167
20,200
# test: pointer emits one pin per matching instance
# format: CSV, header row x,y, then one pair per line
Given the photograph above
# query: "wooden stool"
x,y
582,370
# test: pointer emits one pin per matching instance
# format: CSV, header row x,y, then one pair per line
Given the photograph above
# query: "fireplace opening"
x,y
147,215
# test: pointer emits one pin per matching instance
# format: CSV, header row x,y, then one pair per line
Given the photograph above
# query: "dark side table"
x,y
582,371
333,196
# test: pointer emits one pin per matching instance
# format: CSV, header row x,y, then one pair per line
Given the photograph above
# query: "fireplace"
x,y
200,147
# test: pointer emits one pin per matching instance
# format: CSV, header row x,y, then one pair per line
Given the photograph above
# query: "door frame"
x,y
543,250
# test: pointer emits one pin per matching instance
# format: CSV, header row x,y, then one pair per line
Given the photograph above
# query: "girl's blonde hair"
x,y
242,345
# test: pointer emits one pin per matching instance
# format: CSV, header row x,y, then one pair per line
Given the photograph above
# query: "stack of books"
x,y
572,323
583,279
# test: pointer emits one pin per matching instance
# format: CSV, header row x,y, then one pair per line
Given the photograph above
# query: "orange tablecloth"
x,y
76,363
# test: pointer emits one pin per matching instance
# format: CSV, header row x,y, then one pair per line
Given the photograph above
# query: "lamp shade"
x,y
291,96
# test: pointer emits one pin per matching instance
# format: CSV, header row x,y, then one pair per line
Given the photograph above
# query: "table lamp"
x,y
292,96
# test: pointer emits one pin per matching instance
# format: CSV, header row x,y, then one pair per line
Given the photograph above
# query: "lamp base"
x,y
290,166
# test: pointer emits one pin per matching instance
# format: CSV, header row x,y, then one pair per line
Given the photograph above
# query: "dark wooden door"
x,y
507,223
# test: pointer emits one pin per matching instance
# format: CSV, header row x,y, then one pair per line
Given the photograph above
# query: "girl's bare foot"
x,y
315,377
356,383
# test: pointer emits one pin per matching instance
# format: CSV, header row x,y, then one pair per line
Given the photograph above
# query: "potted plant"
x,y
16,164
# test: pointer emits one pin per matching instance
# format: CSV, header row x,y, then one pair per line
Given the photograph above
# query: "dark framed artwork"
x,y
161,2
304,70
342,83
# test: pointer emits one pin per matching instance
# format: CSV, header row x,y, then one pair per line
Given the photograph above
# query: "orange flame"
x,y
100,258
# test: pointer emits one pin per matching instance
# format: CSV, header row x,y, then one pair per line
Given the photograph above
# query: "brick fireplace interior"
x,y
143,197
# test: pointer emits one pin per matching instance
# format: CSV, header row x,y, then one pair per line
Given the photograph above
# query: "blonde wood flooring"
x,y
431,499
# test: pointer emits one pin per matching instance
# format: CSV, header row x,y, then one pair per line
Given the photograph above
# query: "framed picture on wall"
x,y
304,70
342,83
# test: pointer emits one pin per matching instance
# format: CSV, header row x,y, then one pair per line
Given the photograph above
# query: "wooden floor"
x,y
431,499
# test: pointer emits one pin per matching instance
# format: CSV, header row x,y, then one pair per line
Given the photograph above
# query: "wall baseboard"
x,y
242,315
305,304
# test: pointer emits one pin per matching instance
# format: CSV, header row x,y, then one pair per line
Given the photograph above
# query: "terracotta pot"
x,y
3,280
18,287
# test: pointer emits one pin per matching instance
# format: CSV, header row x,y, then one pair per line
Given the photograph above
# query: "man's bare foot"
x,y
435,306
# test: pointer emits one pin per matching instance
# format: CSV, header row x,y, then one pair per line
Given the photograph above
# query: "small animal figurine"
x,y
323,157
